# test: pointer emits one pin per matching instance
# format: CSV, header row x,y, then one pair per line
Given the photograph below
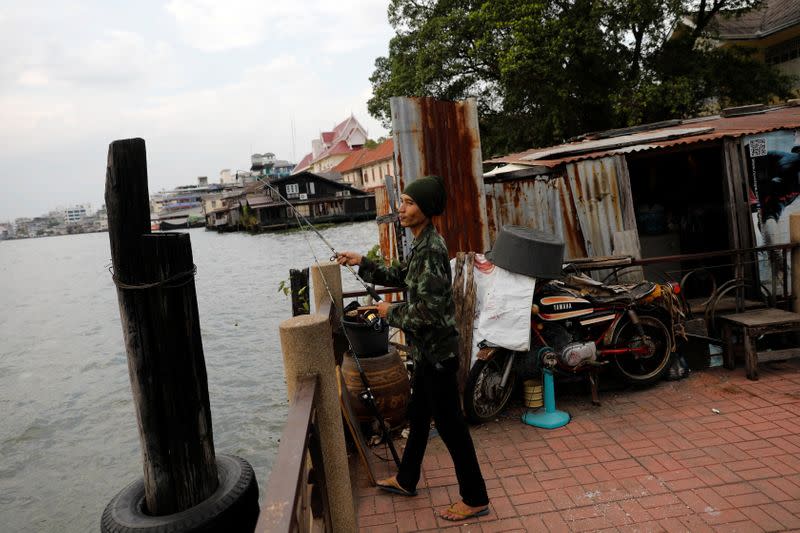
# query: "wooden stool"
x,y
751,325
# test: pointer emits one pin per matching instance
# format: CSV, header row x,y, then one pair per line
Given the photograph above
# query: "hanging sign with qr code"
x,y
758,147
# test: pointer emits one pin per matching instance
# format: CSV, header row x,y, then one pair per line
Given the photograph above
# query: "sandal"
x,y
390,484
461,515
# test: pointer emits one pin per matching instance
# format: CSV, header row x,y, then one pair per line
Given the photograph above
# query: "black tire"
x,y
233,507
483,397
648,369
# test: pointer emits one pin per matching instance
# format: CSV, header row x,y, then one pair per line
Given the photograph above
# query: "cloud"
x,y
337,27
80,90
213,26
33,78
74,78
117,57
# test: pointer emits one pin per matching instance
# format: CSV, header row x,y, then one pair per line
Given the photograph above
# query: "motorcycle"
x,y
579,324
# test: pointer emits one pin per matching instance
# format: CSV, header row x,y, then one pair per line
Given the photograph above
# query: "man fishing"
x,y
428,319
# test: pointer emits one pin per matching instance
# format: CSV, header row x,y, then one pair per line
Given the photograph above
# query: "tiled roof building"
x,y
772,30
366,168
332,147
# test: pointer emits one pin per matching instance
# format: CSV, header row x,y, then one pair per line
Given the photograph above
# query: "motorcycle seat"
x,y
612,294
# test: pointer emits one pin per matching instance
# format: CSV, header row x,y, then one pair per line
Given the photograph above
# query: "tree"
x,y
371,144
544,71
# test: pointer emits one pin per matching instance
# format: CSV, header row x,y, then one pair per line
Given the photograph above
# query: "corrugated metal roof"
x,y
616,142
704,129
258,200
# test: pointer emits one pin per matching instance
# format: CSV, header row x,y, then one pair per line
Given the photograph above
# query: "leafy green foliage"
x,y
285,287
374,254
372,144
249,219
545,71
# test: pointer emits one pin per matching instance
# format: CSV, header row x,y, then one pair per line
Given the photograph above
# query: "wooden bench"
x,y
749,326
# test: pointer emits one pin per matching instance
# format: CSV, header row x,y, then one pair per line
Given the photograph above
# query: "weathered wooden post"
x,y
154,274
794,238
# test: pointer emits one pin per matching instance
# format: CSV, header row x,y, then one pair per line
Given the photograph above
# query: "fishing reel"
x,y
368,315
372,318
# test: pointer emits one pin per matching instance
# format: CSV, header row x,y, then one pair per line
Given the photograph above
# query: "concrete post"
x,y
794,238
307,345
325,276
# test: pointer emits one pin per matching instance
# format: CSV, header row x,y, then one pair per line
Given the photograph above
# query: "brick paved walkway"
x,y
652,460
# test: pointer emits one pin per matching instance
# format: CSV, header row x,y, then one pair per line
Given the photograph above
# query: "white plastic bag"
x,y
502,307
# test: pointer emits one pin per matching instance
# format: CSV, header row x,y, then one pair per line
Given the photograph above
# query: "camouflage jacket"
x,y
428,314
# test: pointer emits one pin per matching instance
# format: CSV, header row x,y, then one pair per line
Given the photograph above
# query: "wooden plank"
x,y
288,478
768,317
724,304
355,430
778,355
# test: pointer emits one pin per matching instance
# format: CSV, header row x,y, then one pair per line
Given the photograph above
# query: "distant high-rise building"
x,y
75,213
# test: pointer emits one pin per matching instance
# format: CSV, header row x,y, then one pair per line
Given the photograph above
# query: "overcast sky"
x,y
205,82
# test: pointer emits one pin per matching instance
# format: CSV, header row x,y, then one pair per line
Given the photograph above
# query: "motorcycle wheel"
x,y
484,399
649,368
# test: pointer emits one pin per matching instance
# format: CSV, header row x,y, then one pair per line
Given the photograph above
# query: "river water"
x,y
68,437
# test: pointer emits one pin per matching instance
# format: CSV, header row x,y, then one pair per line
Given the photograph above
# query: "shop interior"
x,y
679,202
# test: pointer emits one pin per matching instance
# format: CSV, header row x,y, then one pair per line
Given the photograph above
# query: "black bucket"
x,y
365,340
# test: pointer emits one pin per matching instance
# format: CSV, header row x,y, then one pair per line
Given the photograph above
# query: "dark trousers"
x,y
435,394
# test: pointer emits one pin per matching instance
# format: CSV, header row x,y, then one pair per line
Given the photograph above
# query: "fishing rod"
x,y
367,396
298,215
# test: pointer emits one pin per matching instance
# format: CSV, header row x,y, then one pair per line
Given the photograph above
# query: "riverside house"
x,y
315,196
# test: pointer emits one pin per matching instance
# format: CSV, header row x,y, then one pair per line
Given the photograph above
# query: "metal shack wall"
x,y
540,202
600,190
587,203
437,137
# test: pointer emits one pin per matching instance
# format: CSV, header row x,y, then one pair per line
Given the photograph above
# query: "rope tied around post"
x,y
173,282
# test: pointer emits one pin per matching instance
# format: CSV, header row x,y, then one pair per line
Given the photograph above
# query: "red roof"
x,y
385,150
339,128
328,136
351,162
303,164
340,147
365,156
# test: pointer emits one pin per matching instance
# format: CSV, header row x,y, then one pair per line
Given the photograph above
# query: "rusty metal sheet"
x,y
438,137
600,192
542,202
386,231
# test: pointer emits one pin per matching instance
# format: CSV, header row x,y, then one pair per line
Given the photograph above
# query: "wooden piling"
x,y
298,280
154,274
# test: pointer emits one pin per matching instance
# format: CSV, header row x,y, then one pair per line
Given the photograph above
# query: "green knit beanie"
x,y
429,193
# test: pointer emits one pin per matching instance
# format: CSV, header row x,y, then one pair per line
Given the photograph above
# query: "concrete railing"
x,y
313,438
